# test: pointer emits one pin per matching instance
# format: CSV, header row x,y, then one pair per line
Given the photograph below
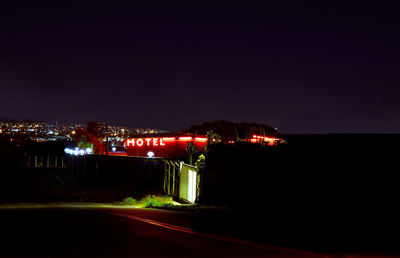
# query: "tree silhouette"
x,y
191,151
90,137
231,131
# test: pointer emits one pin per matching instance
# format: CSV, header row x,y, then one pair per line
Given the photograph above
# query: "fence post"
x,y
175,167
173,180
165,175
168,178
176,189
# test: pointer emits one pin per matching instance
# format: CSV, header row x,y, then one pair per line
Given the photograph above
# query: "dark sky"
x,y
314,68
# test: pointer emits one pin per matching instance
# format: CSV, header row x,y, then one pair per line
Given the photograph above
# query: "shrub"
x,y
129,201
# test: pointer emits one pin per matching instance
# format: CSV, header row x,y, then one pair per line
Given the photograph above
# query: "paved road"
x,y
84,231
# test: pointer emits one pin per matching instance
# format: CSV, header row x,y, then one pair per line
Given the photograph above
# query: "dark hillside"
x,y
338,188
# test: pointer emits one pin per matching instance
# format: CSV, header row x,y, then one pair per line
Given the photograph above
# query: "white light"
x,y
114,149
81,152
192,184
76,152
88,150
67,150
150,154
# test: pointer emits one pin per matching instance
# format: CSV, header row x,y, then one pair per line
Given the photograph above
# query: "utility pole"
x,y
107,138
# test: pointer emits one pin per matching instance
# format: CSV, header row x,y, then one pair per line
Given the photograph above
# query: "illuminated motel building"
x,y
174,146
180,180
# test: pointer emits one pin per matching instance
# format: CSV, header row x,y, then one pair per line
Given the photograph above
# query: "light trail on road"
x,y
223,238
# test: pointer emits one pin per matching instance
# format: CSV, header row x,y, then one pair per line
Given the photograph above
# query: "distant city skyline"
x,y
53,122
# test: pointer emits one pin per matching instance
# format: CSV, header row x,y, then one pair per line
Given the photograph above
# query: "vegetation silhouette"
x,y
90,137
231,131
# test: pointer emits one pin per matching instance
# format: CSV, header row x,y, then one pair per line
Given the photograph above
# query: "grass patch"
x,y
150,201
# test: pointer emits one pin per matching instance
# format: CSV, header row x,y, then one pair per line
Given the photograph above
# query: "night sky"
x,y
315,68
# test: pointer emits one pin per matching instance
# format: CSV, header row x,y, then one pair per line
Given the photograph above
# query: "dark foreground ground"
x,y
82,231
327,195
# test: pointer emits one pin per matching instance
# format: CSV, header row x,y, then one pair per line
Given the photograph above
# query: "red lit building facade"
x,y
175,146
164,146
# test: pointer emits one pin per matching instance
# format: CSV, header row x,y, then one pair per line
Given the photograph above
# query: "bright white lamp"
x,y
150,154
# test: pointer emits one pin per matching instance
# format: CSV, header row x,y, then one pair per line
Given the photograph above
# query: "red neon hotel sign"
x,y
145,142
170,146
